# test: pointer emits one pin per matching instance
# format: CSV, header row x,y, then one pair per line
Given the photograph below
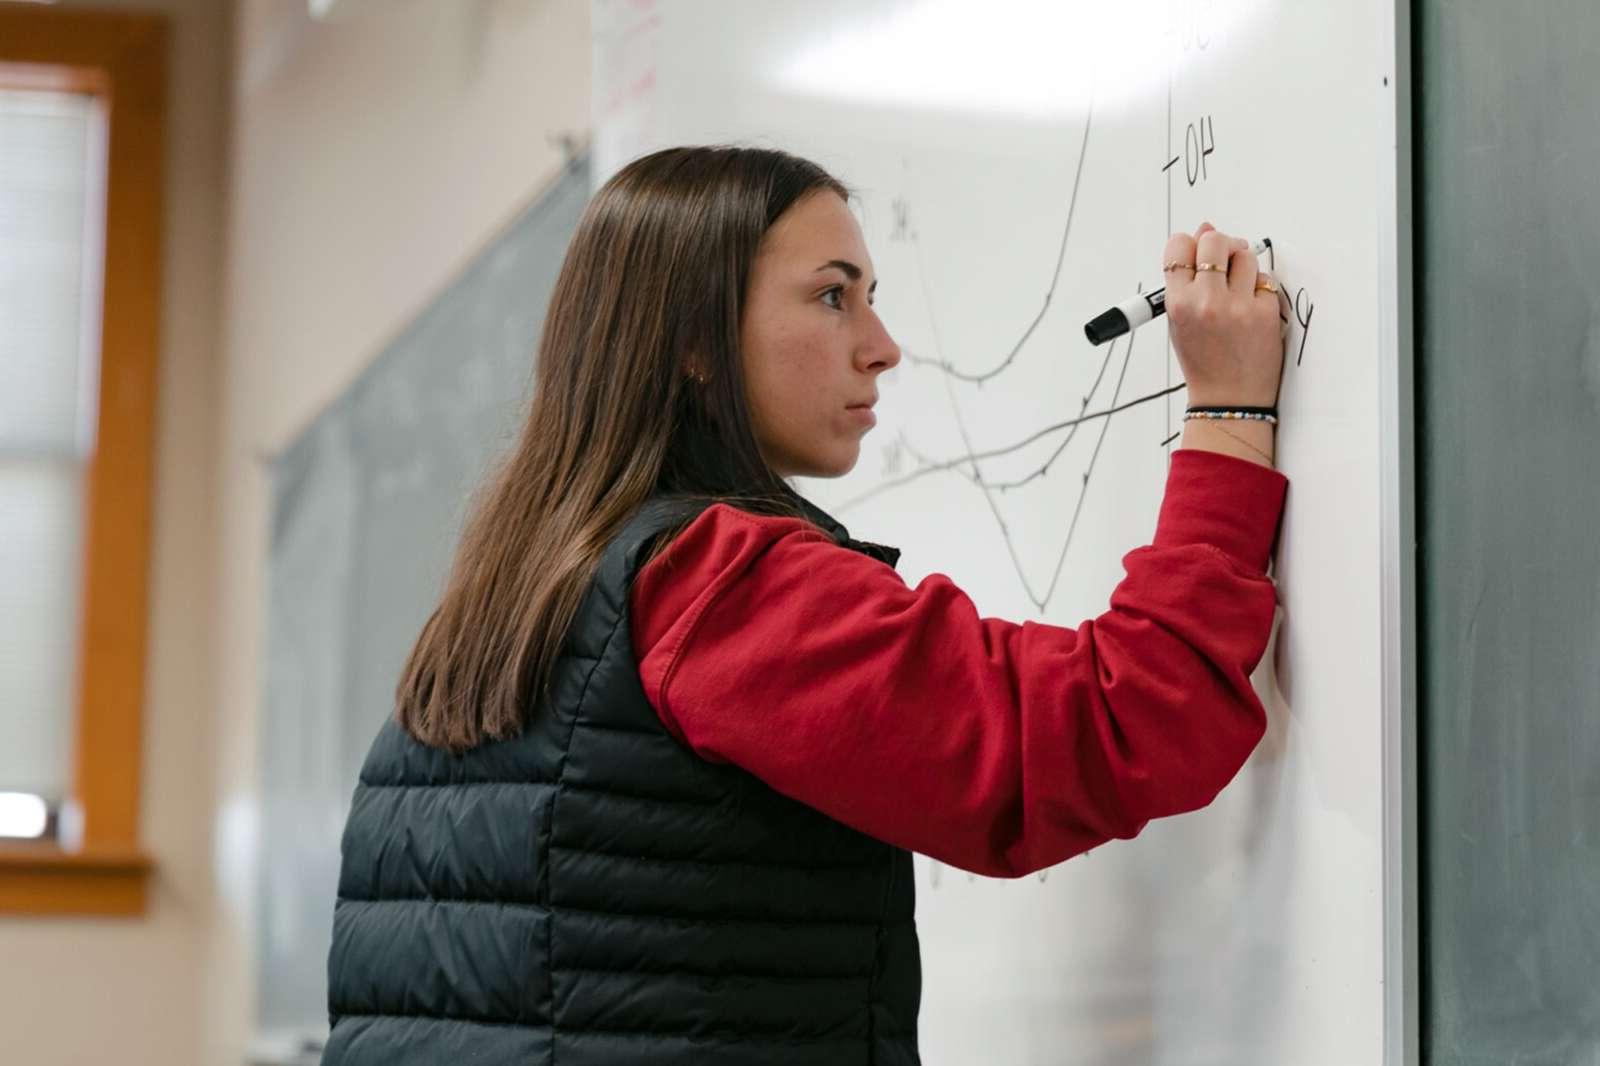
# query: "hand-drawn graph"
x,y
1095,408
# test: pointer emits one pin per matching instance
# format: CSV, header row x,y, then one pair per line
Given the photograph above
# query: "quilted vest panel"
x,y
591,892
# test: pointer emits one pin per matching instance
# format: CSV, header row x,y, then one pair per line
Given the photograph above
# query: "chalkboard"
x,y
366,507
1508,392
1018,167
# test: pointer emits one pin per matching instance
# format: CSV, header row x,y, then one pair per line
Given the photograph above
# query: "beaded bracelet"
x,y
1268,415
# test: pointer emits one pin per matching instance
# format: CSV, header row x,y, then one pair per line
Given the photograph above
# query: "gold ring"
x,y
1266,286
1221,268
1175,264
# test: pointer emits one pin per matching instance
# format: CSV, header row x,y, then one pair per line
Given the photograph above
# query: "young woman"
x,y
663,751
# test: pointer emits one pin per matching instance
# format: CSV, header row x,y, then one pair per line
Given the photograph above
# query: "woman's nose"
x,y
879,351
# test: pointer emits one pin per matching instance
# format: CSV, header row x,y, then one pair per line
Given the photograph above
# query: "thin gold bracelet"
x,y
1247,444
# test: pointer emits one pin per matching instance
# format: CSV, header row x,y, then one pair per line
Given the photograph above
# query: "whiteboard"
x,y
1018,167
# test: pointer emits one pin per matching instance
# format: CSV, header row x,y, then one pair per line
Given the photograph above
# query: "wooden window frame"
x,y
122,58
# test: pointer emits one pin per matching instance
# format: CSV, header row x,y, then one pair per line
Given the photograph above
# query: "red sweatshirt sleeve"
x,y
991,746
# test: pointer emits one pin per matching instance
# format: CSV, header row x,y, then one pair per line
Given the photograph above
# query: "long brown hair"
x,y
637,391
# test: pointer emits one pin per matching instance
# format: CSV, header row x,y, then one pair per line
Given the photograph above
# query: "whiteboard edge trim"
x,y
1397,509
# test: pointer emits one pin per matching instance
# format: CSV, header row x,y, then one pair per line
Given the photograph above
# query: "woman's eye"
x,y
834,297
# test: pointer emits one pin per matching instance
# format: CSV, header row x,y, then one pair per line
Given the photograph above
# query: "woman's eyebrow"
x,y
851,271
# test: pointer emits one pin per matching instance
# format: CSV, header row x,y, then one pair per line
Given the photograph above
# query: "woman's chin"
x,y
843,464
825,467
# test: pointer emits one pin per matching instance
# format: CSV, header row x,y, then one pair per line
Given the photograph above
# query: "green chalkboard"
x,y
366,507
1508,390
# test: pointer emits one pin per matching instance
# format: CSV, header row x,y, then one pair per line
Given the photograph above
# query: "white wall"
x,y
372,157
123,991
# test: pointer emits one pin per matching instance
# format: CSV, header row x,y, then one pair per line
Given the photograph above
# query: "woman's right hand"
x,y
1226,331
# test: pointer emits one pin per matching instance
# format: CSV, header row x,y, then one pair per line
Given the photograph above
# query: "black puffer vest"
x,y
593,893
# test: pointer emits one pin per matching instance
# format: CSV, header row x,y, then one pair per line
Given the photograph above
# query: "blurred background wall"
x,y
324,179
115,990
372,156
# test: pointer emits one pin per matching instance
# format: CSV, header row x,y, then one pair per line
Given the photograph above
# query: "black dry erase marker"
x,y
1134,312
